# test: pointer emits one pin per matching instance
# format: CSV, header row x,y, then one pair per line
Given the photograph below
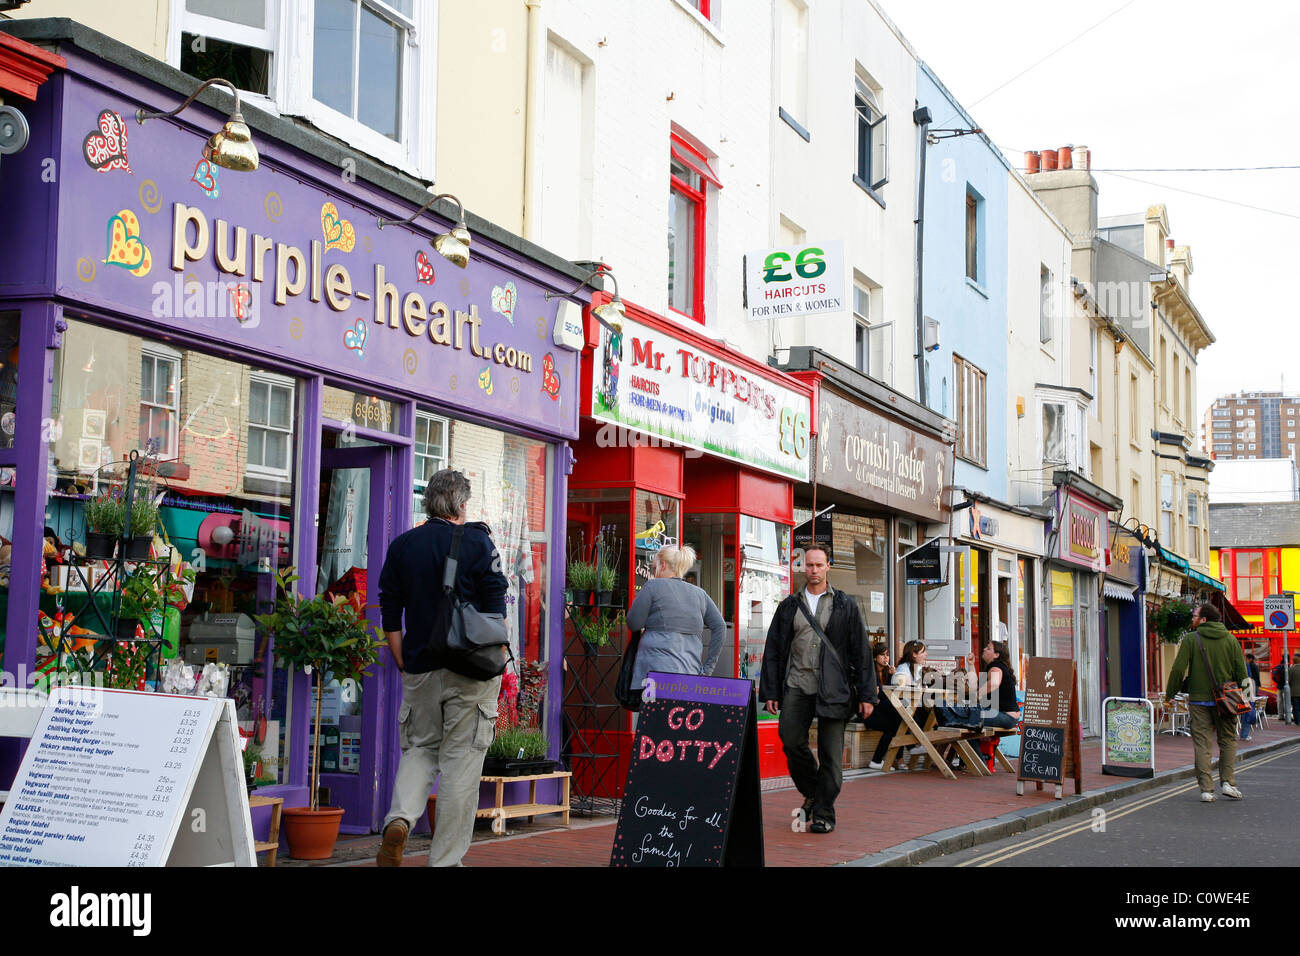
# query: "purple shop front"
x,y
298,373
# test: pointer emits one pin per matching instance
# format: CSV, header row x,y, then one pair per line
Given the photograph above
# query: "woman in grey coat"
x,y
673,614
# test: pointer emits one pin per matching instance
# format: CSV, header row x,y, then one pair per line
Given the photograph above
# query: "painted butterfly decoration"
x,y
105,149
423,268
205,174
550,377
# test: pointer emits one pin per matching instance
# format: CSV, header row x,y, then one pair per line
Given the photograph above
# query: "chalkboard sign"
x,y
1049,735
693,794
1042,754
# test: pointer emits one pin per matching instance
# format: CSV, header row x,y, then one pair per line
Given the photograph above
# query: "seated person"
x,y
885,718
1000,689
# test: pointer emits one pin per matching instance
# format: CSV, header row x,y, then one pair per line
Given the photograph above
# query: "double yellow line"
x,y
1034,843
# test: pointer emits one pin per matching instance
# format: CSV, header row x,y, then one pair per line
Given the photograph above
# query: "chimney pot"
x,y
1064,156
1049,159
1031,162
1169,244
1082,157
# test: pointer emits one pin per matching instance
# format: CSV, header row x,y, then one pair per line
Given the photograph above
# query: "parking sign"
x,y
1279,612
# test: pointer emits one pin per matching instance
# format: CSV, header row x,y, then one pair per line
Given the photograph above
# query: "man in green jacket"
x,y
1228,662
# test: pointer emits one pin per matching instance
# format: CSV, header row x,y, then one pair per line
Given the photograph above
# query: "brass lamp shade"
x,y
232,146
612,314
460,232
451,248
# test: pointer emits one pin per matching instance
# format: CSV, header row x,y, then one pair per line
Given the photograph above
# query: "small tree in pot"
x,y
324,636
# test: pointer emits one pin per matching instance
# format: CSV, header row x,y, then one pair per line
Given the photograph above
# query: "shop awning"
x,y
1232,618
1171,559
1206,580
1118,592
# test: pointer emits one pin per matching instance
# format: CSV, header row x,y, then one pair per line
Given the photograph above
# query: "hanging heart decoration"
x,y
550,377
339,233
423,268
205,174
354,338
125,247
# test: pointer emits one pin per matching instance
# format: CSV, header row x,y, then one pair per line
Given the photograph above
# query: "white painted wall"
x,y
1034,239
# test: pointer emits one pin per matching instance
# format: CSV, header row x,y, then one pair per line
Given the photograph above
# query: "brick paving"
x,y
874,812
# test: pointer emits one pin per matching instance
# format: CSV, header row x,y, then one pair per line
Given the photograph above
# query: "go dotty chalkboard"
x,y
693,794
1049,741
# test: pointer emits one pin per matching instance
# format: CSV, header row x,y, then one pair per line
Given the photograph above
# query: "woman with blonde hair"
x,y
673,614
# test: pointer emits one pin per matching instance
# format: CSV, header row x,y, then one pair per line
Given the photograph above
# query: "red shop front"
x,y
682,440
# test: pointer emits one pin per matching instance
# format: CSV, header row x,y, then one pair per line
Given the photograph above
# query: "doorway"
x,y
353,530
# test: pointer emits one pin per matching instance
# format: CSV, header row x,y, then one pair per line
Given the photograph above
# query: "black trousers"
x,y
821,777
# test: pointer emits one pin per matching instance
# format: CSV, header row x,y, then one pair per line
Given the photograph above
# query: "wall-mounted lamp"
x,y
612,314
231,147
452,245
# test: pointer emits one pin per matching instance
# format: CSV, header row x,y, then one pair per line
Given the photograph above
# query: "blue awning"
x,y
1168,557
1206,579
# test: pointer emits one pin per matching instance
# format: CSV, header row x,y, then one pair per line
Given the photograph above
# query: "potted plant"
x,y
325,637
517,751
140,598
602,623
583,578
1172,621
143,522
104,516
608,553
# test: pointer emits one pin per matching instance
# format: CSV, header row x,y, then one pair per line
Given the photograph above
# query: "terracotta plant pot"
x,y
312,833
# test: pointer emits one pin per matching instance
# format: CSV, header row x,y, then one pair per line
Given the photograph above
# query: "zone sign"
x,y
1279,612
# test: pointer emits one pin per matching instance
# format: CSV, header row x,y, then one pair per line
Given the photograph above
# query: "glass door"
x,y
352,536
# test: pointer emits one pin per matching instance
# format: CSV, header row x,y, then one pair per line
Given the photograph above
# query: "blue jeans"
x,y
1000,719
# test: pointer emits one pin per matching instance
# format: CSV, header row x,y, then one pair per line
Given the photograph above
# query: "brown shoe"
x,y
390,850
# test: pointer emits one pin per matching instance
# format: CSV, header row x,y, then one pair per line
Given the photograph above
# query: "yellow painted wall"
x,y
141,24
482,91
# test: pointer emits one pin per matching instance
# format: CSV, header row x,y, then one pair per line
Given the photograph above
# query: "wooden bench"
x,y
907,700
500,812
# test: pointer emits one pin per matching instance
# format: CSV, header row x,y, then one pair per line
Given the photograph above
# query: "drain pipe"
x,y
921,117
535,69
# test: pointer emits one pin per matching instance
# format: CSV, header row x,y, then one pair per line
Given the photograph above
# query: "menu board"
x,y
1049,742
693,794
123,778
1128,738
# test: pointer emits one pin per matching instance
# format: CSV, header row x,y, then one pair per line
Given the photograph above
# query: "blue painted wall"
x,y
972,316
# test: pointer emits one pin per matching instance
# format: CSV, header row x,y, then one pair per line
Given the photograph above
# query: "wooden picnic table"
x,y
907,699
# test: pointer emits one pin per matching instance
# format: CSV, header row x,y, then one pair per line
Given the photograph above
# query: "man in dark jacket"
x,y
1227,663
446,721
804,677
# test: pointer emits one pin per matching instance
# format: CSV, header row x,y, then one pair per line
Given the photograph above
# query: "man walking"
x,y
446,721
1209,639
817,670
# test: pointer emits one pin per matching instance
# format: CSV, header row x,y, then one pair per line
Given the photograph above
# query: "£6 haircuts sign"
x,y
654,382
795,281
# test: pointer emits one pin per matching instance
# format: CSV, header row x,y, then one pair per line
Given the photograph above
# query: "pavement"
x,y
902,818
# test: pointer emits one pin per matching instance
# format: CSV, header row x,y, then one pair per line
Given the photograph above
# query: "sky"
x,y
1155,85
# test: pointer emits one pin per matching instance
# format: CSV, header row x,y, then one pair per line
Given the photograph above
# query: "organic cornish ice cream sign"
x,y
667,387
289,261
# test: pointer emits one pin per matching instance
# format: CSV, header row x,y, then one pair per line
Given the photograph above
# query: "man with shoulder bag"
x,y
446,576
1211,659
815,664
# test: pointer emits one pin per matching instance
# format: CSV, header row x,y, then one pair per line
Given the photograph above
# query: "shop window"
x,y
160,388
690,177
270,426
1250,575
871,171
1060,629
430,457
366,411
1026,602
8,378
968,388
764,580
233,540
